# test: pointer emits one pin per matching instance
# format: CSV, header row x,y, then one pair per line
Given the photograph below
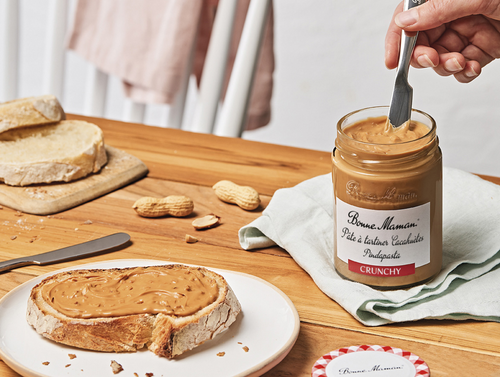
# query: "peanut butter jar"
x,y
387,200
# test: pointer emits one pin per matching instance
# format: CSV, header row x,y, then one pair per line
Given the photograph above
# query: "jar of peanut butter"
x,y
387,199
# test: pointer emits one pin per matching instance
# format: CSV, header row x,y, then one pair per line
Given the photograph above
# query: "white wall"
x,y
329,61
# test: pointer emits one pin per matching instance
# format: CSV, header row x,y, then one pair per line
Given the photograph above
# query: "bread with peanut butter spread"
x,y
170,308
58,152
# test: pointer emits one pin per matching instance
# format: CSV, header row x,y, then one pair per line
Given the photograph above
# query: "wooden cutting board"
x,y
120,170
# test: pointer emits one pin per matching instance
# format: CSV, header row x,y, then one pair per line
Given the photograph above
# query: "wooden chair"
x,y
231,117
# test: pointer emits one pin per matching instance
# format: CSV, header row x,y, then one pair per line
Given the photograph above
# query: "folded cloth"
x,y
300,220
147,44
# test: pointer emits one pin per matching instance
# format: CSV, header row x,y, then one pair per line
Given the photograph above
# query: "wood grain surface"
x,y
189,164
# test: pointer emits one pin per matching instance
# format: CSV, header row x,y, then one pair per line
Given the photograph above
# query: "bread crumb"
x,y
88,222
13,238
220,354
136,375
67,365
72,356
240,343
18,214
46,363
149,374
246,349
115,367
76,228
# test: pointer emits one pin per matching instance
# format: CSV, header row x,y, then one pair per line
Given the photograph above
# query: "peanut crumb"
x,y
46,363
115,367
220,354
88,222
72,356
190,239
13,238
18,214
246,349
67,365
76,228
136,375
149,374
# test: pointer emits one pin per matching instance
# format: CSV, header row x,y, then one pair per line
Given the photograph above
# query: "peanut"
x,y
206,222
243,196
173,205
190,239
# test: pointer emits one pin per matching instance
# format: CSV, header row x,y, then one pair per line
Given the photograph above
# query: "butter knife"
x,y
402,95
70,252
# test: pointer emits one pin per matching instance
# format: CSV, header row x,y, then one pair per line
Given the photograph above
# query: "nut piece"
x,y
115,367
206,222
244,196
173,205
190,239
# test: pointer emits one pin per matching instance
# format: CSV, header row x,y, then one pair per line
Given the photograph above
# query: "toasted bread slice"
x,y
30,111
166,333
63,151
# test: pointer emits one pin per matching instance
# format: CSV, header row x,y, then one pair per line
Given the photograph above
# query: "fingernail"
x,y
407,18
452,65
425,61
471,73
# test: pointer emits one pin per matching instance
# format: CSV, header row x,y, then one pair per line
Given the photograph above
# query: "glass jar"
x,y
387,205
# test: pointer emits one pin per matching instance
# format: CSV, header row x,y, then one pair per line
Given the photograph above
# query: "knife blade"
x,y
70,252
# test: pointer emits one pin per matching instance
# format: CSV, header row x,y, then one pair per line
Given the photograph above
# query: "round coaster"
x,y
370,361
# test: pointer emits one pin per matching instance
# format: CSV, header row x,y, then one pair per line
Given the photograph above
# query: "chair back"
x,y
208,113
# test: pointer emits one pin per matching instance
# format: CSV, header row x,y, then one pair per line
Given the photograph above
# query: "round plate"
x,y
262,335
369,361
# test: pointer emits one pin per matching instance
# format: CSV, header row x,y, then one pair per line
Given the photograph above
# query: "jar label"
x,y
383,242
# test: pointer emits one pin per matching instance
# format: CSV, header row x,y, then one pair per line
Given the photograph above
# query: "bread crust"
x,y
165,335
30,111
69,162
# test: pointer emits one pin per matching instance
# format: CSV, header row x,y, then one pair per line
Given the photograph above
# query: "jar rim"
x,y
432,129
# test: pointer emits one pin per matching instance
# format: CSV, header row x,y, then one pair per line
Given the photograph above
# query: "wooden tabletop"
x,y
189,164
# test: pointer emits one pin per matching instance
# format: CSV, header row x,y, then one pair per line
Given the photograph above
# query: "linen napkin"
x,y
300,220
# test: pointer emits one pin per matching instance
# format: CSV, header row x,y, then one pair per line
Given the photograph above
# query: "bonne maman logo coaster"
x,y
370,361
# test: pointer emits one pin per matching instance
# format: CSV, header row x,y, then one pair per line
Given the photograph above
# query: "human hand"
x,y
456,37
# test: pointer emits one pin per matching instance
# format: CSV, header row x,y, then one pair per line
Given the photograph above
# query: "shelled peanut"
x,y
245,197
173,205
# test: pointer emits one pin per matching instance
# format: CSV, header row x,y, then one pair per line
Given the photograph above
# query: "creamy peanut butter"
x,y
388,200
378,130
114,293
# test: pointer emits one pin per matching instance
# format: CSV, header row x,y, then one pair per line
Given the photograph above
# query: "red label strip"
x,y
387,271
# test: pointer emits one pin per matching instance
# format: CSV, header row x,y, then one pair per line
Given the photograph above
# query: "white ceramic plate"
x,y
268,325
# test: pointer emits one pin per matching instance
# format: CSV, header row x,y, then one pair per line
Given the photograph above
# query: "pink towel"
x,y
147,45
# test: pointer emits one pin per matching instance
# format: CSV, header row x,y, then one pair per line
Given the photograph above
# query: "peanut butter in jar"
x,y
387,200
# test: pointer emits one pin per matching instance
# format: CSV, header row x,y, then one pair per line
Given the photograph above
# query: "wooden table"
x,y
189,164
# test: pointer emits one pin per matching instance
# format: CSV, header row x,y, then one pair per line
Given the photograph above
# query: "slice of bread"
x,y
62,151
167,334
30,111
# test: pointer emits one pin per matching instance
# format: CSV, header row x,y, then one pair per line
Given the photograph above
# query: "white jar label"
x,y
383,242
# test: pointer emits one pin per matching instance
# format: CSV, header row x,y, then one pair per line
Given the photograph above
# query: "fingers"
x,y
438,12
393,41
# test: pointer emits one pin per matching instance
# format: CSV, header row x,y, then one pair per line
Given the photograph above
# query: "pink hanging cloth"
x,y
147,45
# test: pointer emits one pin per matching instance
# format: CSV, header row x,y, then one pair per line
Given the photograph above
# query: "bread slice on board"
x,y
63,151
166,334
30,111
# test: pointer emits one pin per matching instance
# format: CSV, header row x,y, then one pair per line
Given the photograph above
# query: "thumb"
x,y
434,13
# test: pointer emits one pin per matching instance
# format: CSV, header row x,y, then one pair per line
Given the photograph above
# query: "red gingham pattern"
x,y
319,368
